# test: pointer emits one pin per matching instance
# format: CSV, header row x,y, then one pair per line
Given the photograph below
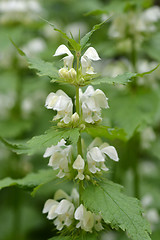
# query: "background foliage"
x,y
134,112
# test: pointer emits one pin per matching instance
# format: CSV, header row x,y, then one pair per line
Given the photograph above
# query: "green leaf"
x,y
18,49
86,38
117,209
38,144
148,72
132,111
107,132
120,79
31,181
43,68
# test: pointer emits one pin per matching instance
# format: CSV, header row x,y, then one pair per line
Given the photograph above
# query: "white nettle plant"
x,y
70,210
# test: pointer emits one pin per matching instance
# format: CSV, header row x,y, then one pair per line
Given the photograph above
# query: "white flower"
x,y
68,60
79,165
59,157
98,226
60,102
34,46
86,60
151,14
91,102
153,216
19,6
96,157
86,218
63,212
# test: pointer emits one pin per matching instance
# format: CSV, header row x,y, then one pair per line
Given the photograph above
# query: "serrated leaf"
x,y
38,144
107,132
43,68
30,181
86,38
117,209
120,79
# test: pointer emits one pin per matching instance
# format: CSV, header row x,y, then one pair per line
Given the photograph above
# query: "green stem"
x,y
77,100
79,144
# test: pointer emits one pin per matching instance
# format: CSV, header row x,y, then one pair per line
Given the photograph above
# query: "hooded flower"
x,y
86,218
96,156
86,60
63,212
59,157
91,103
79,166
68,60
60,102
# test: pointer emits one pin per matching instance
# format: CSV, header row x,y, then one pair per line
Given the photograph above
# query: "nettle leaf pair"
x,y
83,214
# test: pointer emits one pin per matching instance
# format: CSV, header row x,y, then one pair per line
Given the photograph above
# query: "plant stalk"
x,y
79,144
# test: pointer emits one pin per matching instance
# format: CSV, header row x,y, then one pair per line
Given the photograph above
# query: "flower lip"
x,y
62,49
91,54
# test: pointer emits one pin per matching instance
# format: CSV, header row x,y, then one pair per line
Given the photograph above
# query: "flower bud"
x,y
63,73
82,126
72,73
75,118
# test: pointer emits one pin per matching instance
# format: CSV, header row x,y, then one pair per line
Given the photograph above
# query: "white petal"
x,y
49,151
89,91
68,61
59,194
111,152
95,143
48,204
55,159
52,214
62,49
88,221
80,175
103,167
79,213
96,155
79,163
92,54
63,207
58,223
50,100
101,99
60,174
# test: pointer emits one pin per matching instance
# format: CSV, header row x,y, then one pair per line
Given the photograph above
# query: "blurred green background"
x,y
128,42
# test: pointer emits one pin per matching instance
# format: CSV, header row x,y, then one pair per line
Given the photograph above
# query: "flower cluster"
x,y
61,158
65,213
91,103
87,163
68,72
131,23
